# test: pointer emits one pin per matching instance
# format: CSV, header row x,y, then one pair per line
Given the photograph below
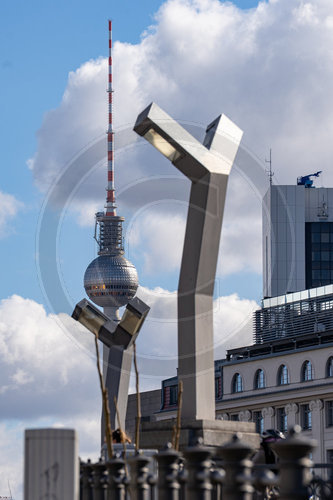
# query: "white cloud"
x,y
157,238
48,378
46,365
9,206
157,344
12,445
11,463
48,373
47,362
268,68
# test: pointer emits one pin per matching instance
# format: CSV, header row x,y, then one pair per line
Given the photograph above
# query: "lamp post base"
x,y
213,432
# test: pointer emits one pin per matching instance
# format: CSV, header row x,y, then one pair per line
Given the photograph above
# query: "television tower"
x,y
111,280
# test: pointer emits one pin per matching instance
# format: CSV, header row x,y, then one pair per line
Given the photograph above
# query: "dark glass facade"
x,y
319,253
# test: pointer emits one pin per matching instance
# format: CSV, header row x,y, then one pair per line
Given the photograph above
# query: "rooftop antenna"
x,y
269,170
10,491
110,205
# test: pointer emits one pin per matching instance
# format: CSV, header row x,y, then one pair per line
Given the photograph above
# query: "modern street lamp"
x,y
121,337
207,166
108,331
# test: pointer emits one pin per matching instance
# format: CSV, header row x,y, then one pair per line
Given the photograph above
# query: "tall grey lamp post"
x,y
208,167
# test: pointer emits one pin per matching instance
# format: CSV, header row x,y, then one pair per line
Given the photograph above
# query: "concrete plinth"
x,y
213,432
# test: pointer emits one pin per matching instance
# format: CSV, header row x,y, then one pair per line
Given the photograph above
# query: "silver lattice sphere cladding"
x,y
111,281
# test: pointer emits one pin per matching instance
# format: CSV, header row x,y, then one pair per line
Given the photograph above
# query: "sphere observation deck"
x,y
111,281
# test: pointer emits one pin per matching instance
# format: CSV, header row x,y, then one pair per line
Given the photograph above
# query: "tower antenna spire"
x,y
110,205
269,171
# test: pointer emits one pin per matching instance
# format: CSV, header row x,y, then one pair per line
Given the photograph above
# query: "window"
x,y
329,413
237,383
259,379
283,375
329,367
282,420
307,372
234,417
329,460
258,419
318,253
173,395
218,392
306,417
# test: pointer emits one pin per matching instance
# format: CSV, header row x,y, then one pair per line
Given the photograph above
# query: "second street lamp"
x,y
207,166
108,331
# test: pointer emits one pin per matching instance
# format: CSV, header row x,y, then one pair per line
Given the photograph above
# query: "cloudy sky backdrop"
x,y
267,65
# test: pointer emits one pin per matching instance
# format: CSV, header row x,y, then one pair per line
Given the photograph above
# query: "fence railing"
x,y
204,473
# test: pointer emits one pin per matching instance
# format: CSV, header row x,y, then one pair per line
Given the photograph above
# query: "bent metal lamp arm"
x,y
208,167
110,332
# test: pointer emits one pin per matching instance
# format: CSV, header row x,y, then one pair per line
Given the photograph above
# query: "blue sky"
x,y
41,42
268,66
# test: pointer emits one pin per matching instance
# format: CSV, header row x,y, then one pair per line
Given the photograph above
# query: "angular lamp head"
x,y
108,331
134,316
162,145
89,316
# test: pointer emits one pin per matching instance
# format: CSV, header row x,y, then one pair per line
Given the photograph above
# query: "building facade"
x,y
286,376
297,239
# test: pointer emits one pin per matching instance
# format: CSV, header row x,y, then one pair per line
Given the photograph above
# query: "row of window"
x,y
282,421
105,287
108,294
282,376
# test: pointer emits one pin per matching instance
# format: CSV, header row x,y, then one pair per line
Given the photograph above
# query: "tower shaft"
x,y
111,280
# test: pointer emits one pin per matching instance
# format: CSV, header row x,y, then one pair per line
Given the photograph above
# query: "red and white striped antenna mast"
x,y
108,225
110,198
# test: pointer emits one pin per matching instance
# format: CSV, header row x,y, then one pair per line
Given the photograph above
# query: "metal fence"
x,y
202,473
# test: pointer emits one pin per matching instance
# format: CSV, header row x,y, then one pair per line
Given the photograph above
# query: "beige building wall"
x,y
290,397
316,393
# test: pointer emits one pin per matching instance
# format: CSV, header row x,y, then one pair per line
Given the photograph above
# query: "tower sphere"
x,y
111,281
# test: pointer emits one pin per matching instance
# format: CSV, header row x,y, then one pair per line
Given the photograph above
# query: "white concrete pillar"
x,y
291,412
245,416
316,408
51,464
269,414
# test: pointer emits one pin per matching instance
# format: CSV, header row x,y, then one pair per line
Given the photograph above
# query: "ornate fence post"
x,y
139,484
238,480
168,467
198,464
217,477
86,480
294,465
98,481
116,479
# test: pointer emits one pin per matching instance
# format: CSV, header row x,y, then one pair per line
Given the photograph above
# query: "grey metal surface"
x,y
111,281
110,237
208,167
311,315
117,377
